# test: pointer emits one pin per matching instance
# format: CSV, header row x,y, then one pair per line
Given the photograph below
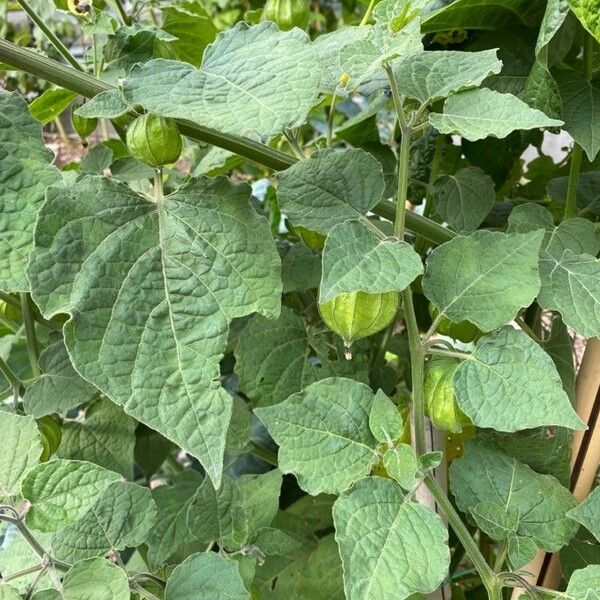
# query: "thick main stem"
x,y
32,344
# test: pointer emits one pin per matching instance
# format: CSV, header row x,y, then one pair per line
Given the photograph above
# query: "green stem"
x,y
576,156
367,15
16,304
32,344
121,10
330,120
60,47
500,557
449,353
158,187
23,573
588,55
10,375
492,584
89,86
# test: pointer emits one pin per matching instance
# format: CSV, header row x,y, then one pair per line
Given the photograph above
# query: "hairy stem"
x,y
576,155
367,14
58,45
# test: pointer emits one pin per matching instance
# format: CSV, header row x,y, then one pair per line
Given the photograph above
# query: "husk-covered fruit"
x,y
465,331
359,314
154,140
287,13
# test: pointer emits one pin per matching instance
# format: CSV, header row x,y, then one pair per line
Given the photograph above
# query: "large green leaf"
x,y
60,388
62,491
477,114
581,99
106,437
9,593
464,199
254,81
465,273
588,12
151,290
588,513
206,577
390,546
275,359
95,579
120,518
358,258
484,474
25,173
170,530
21,449
323,434
429,76
330,187
509,383
584,584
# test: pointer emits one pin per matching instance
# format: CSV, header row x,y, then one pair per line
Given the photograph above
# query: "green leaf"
x,y
509,383
120,518
21,449
385,420
194,281
300,269
108,105
274,542
330,187
52,103
95,579
356,258
170,530
587,199
464,199
62,491
254,81
405,553
106,437
588,13
206,577
497,521
477,114
521,551
402,464
584,584
26,172
193,28
60,388
323,434
464,273
581,99
9,593
430,76
484,474
588,513
275,359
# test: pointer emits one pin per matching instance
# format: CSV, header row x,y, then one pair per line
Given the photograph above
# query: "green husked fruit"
x,y
287,13
154,140
358,315
440,401
51,435
313,239
465,331
83,126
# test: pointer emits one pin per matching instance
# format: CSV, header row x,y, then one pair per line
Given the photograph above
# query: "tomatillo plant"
x,y
299,321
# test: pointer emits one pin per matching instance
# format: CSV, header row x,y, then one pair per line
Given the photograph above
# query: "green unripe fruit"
x,y
358,315
50,435
465,331
82,125
154,140
440,401
287,14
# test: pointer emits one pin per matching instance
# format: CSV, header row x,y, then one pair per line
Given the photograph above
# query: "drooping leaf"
x,y
588,13
60,388
509,383
477,114
581,99
121,517
484,474
254,81
51,104
106,437
405,553
25,173
206,577
275,359
170,530
21,449
355,258
62,491
194,281
464,273
323,434
429,76
95,579
588,513
330,187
